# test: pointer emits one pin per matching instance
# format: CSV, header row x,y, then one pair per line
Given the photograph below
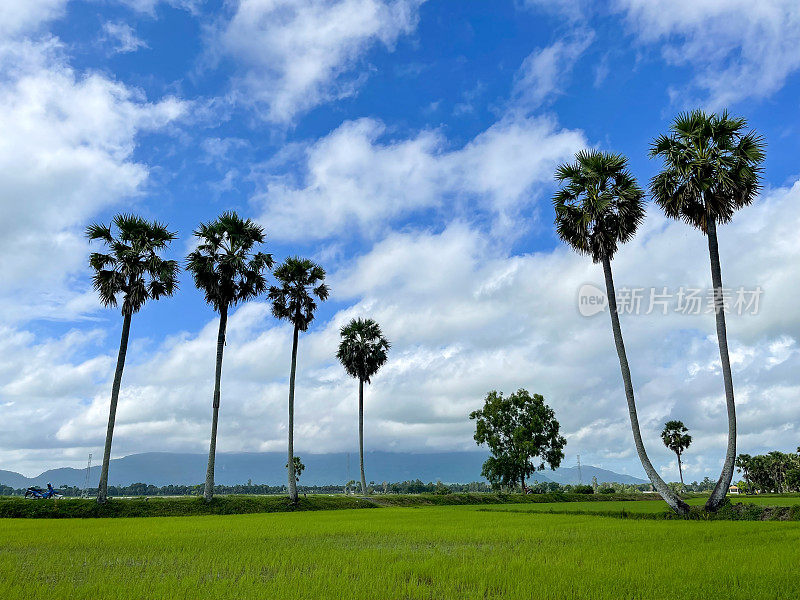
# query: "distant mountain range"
x,y
164,468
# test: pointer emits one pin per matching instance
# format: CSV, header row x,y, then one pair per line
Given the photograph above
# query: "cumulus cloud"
x,y
466,316
296,54
65,154
359,178
24,16
739,49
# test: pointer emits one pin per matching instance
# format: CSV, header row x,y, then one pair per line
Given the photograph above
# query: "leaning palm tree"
x,y
300,281
362,351
598,207
134,272
676,437
226,267
711,169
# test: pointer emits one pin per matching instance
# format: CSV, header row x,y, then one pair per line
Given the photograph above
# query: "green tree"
x,y
134,271
522,434
362,351
676,437
743,464
299,467
711,169
599,207
228,270
301,280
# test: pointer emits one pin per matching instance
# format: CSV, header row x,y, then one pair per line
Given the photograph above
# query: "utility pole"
x,y
580,474
86,480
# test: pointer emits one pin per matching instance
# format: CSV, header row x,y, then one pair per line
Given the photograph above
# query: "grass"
x,y
64,508
221,505
436,552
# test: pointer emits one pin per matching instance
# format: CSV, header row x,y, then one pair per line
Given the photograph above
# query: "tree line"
x,y
777,472
229,267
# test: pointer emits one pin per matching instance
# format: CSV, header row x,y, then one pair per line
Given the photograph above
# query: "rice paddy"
x,y
434,552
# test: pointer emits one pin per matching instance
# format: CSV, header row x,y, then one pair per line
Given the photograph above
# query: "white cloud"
x,y
122,37
24,16
738,48
357,179
465,317
544,71
296,54
65,154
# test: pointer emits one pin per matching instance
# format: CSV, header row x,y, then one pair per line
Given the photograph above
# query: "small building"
x,y
734,489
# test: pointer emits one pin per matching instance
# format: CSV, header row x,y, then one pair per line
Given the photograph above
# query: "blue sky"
x,y
408,147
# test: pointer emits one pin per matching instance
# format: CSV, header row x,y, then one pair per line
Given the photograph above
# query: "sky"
x,y
409,147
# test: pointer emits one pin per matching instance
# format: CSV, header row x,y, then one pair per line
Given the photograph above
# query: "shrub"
x,y
583,489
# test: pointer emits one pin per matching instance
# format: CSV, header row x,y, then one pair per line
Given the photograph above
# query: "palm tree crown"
x,y
711,167
133,267
224,265
600,204
300,280
363,349
676,436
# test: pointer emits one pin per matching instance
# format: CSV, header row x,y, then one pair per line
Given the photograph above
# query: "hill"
x,y
164,468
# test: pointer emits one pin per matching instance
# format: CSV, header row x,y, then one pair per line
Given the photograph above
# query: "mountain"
x,y
164,468
571,475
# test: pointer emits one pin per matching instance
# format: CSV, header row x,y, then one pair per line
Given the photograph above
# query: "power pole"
x,y
580,474
86,480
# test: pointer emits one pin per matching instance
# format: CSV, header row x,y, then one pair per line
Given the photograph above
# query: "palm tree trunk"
x,y
102,488
292,480
678,505
361,434
680,469
208,493
717,498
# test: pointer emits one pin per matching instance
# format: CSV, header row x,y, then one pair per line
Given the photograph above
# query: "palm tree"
x,y
226,267
676,437
362,351
300,281
598,207
134,271
711,169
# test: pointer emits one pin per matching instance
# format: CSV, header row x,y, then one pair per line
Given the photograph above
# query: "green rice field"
x,y
633,507
436,552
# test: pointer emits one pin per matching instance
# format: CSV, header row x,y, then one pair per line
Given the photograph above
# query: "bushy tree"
x,y
299,467
522,434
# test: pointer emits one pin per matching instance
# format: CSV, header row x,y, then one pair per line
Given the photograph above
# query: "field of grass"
x,y
435,552
640,506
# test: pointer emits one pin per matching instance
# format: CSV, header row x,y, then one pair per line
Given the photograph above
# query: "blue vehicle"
x,y
40,494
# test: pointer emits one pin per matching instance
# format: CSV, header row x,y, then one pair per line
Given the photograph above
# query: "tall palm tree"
x,y
228,269
362,351
300,281
711,169
676,437
598,207
133,271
